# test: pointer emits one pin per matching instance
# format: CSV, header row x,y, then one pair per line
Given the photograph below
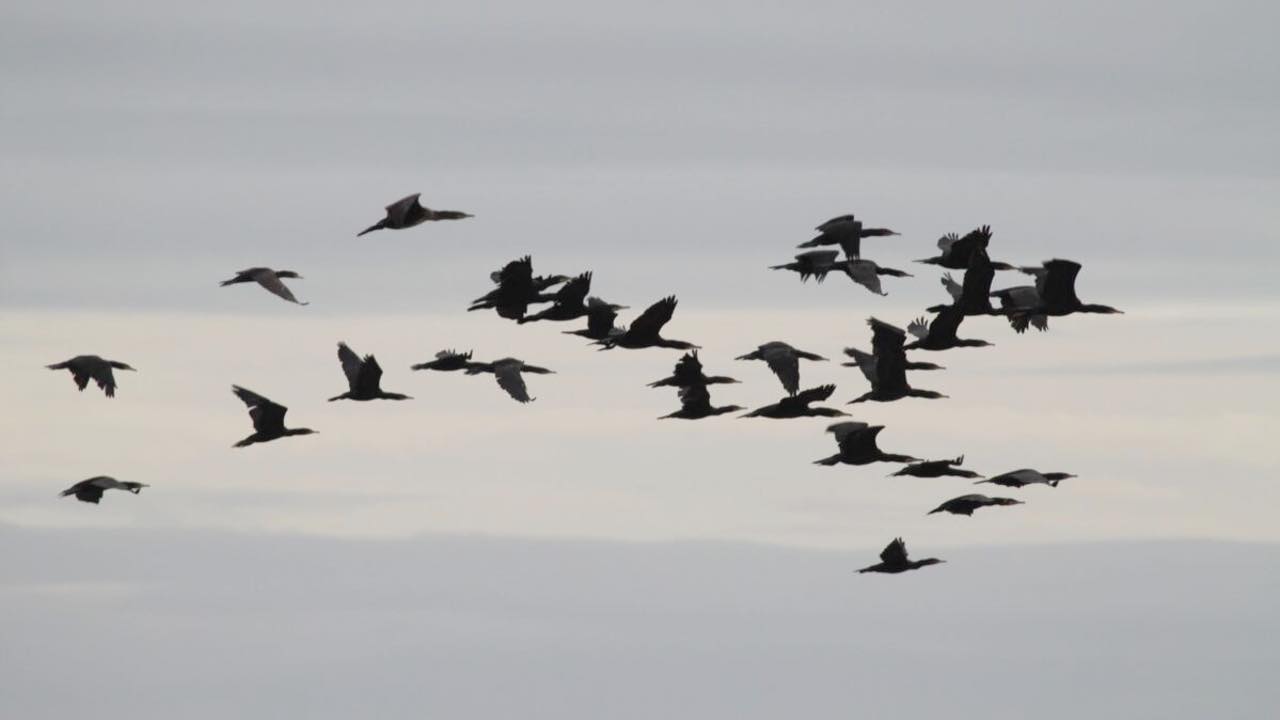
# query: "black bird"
x,y
364,377
645,331
794,406
784,361
407,212
866,362
847,232
568,301
695,404
84,367
1027,476
446,360
867,273
1056,286
937,468
517,289
91,490
955,251
688,372
888,374
600,317
857,441
508,373
268,418
1021,306
973,293
940,333
966,504
893,559
269,279
814,263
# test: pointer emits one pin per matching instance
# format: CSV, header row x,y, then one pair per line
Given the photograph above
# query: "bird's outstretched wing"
x,y
895,553
105,378
351,364
864,273
265,414
816,394
784,363
575,291
275,286
510,379
370,376
954,289
650,322
919,327
398,210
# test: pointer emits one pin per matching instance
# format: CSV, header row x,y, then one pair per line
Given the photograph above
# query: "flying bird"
x,y
798,405
568,302
940,333
857,442
268,418
695,404
688,372
966,504
784,361
973,294
814,263
866,362
645,331
955,251
363,376
1021,306
517,289
84,367
91,490
1027,476
407,212
600,320
269,279
888,373
847,232
508,372
893,559
1056,287
937,468
446,360
867,273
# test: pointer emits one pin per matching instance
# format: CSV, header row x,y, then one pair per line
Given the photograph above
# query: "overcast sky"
x,y
154,148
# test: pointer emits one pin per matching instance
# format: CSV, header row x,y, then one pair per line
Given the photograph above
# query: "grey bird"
x,y
867,273
857,443
973,293
408,212
91,490
784,361
798,405
1027,476
695,404
509,373
893,559
888,374
813,263
1021,306
568,303
86,367
269,279
937,468
600,320
268,418
364,377
966,504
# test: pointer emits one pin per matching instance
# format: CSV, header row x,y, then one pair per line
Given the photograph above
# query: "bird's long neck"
x,y
1105,309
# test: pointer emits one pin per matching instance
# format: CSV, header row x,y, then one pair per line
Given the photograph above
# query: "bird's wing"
x,y
397,210
351,364
695,397
954,289
816,394
105,378
688,370
510,379
866,363
784,363
919,327
843,430
600,317
274,285
947,321
575,291
863,272
886,339
946,241
650,322
265,414
370,375
517,272
895,553
1060,282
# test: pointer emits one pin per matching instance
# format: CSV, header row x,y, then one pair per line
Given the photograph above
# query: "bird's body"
x,y
940,333
784,361
268,279
408,212
1027,476
798,405
937,468
688,372
966,504
814,263
857,442
973,294
893,559
364,377
91,490
268,418
695,404
508,372
645,331
91,367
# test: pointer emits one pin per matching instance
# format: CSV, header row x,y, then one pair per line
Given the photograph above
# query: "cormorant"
x,y
446,360
1027,476
888,374
973,294
937,468
955,251
268,418
269,279
84,367
1056,286
568,301
600,317
893,559
1020,305
508,372
517,289
645,330
784,361
867,273
857,441
407,212
966,504
688,372
940,333
814,263
363,376
91,490
794,406
695,404
847,232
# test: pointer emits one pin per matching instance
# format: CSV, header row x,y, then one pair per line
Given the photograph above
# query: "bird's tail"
x,y
380,224
833,460
245,442
58,366
343,396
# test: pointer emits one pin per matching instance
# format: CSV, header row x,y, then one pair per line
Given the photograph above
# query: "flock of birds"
x,y
516,288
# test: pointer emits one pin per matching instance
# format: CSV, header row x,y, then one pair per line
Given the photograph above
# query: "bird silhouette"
x,y
645,331
893,559
688,372
408,212
798,405
517,289
268,418
955,251
857,443
600,320
269,279
363,376
784,361
973,293
1027,476
966,504
937,468
509,373
847,232
888,374
1056,288
447,361
695,404
91,490
568,303
86,367
940,333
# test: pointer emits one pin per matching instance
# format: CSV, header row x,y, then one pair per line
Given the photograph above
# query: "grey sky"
x,y
154,148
